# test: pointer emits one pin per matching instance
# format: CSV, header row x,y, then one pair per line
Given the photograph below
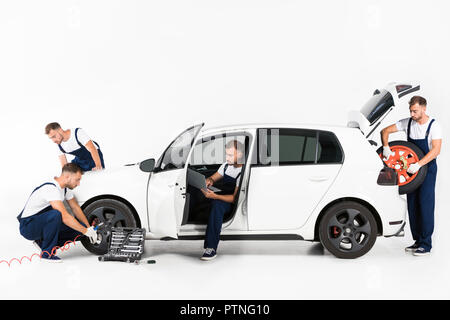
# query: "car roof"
x,y
274,125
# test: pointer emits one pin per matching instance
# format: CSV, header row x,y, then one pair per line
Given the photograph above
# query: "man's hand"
x,y
209,182
413,168
91,234
387,152
209,194
97,168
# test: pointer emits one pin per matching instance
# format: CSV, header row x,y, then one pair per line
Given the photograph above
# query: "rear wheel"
x,y
405,154
348,230
112,213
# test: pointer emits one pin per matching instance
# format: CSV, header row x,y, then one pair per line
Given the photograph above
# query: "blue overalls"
x,y
218,209
421,201
46,226
83,157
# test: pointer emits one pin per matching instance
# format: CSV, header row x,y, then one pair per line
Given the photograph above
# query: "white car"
x,y
299,182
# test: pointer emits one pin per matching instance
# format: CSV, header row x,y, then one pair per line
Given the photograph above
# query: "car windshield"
x,y
177,152
377,106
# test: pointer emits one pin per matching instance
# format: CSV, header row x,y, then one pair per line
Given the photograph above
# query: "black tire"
x,y
112,213
420,177
348,230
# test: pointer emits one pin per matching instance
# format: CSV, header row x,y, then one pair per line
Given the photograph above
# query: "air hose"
x,y
65,247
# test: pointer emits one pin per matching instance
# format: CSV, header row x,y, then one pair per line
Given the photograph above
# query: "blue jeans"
x,y
421,209
218,210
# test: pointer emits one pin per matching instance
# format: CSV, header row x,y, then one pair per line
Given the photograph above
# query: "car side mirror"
x,y
147,165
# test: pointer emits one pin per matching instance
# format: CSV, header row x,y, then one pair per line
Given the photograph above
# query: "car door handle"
x,y
318,178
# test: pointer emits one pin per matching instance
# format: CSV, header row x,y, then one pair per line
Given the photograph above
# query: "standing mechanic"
x,y
45,219
230,172
426,133
76,142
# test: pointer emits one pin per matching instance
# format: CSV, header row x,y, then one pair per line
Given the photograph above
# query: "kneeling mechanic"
x,y
45,219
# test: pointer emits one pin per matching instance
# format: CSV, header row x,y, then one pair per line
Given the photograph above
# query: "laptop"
x,y
198,180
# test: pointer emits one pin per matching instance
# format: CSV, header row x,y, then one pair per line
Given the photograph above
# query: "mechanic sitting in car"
x,y
45,219
425,133
76,142
230,172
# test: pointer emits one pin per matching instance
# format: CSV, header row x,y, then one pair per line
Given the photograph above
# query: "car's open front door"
x,y
163,185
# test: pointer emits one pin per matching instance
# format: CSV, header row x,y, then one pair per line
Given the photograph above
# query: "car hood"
x,y
119,181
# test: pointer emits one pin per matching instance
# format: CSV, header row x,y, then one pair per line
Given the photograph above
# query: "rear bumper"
x,y
400,232
394,220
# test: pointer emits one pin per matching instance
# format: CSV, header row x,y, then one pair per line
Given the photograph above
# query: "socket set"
x,y
125,244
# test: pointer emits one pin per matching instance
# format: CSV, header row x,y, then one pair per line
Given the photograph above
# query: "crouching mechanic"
x,y
222,202
77,143
46,221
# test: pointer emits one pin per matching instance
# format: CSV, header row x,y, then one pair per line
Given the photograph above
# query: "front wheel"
x,y
348,230
112,213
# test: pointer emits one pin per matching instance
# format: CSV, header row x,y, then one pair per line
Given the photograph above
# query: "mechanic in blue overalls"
x,y
45,220
426,133
87,153
222,201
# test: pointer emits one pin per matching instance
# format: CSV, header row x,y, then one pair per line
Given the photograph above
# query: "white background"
x,y
134,74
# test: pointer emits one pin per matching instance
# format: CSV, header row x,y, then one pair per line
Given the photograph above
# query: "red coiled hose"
x,y
65,247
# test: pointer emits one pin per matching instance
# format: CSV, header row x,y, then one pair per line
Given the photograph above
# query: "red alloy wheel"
x,y
400,162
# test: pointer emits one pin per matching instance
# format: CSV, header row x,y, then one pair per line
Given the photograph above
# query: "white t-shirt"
x,y
418,131
41,198
232,171
72,144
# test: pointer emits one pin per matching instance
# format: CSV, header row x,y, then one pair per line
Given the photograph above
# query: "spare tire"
x,y
405,154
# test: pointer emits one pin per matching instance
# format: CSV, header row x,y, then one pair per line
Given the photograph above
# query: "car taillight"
x,y
387,177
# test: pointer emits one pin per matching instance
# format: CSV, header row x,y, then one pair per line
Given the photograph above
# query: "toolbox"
x,y
125,244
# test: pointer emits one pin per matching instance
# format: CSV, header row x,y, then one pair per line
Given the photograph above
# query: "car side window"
x,y
285,146
288,146
328,149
